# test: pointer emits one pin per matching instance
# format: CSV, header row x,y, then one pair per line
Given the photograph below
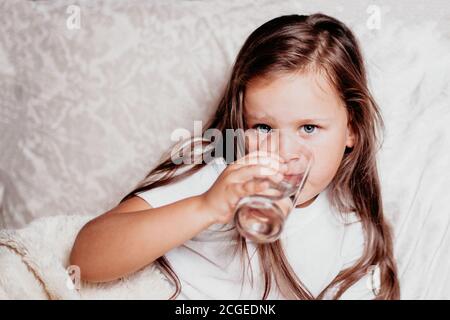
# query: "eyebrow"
x,y
264,117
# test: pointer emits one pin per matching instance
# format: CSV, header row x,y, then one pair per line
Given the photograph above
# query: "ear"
x,y
350,137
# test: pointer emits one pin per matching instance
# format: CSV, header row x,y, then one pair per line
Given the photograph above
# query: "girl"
x,y
303,75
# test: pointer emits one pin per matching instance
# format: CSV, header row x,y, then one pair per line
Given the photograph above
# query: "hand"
x,y
238,180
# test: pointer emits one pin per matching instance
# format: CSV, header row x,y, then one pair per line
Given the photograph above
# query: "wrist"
x,y
204,210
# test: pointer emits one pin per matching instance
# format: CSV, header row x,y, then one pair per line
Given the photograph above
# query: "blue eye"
x,y
262,127
309,128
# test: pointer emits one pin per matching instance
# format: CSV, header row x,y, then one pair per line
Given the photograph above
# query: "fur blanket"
x,y
34,262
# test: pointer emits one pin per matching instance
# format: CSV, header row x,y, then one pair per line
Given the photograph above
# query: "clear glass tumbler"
x,y
261,217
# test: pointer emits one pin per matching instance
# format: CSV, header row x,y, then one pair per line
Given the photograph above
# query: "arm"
x,y
133,235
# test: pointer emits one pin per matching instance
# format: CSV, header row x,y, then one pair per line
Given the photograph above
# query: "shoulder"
x,y
351,232
353,240
351,251
353,243
352,235
192,185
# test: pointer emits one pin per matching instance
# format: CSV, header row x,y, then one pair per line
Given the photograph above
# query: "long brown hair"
x,y
320,43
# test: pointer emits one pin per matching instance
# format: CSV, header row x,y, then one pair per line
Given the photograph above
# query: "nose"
x,y
288,147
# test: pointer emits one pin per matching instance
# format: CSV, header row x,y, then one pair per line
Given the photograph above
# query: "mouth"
x,y
290,175
293,179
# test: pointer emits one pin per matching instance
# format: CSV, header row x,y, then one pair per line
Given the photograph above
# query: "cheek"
x,y
327,159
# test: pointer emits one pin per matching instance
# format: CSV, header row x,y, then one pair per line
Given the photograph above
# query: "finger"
x,y
255,186
241,190
250,172
268,159
263,155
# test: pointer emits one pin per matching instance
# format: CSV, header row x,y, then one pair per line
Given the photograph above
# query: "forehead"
x,y
292,96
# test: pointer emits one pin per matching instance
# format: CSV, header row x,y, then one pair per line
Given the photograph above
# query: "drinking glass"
x,y
260,217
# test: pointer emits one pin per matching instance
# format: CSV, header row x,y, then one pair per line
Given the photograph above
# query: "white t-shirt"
x,y
317,243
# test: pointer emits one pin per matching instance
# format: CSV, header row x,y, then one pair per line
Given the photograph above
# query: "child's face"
x,y
284,103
